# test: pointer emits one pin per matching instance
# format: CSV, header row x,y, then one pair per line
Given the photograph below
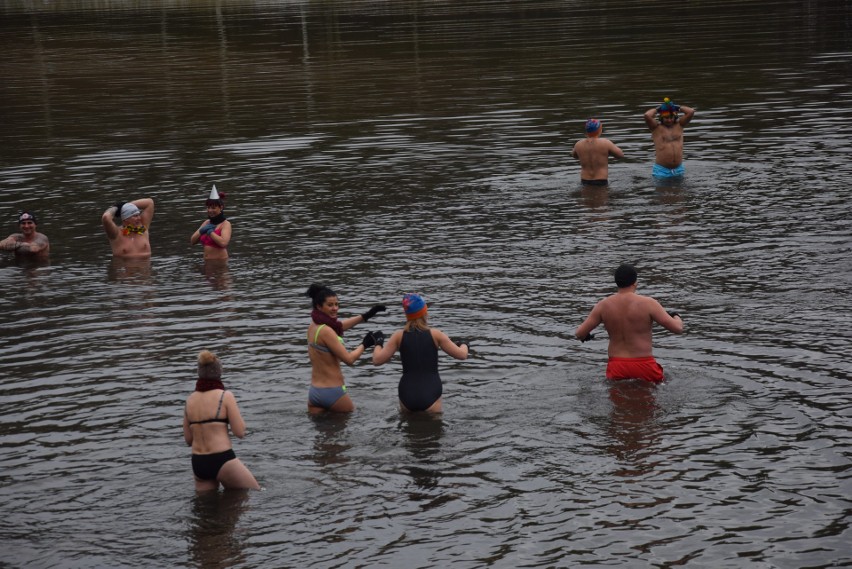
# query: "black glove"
x,y
373,311
461,341
118,206
672,313
588,337
369,340
379,337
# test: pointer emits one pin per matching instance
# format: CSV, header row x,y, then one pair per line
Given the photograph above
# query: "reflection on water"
x,y
330,443
130,271
632,428
401,146
214,538
218,274
422,437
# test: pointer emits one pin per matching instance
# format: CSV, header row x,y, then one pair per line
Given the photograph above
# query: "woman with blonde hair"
x,y
209,411
420,387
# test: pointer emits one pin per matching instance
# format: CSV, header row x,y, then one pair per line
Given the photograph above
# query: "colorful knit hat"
x,y
414,306
592,125
668,107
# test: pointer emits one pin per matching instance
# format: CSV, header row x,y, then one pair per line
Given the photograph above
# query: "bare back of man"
x,y
628,318
593,154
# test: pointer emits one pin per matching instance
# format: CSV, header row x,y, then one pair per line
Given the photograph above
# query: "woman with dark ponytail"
x,y
326,350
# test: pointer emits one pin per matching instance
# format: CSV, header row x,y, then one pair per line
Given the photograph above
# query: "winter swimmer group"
x,y
211,413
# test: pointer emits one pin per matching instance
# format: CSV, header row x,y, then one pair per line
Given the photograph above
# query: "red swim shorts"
x,y
634,368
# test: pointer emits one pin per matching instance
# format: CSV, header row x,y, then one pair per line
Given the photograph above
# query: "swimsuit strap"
x,y
316,335
219,408
215,418
315,344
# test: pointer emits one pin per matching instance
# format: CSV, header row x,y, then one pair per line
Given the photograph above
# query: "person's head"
x,y
594,127
667,112
215,202
625,276
415,309
27,222
130,214
209,366
324,299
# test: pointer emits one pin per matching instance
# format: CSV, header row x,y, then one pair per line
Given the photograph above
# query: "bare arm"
x,y
383,354
339,350
235,419
688,113
187,432
615,150
11,242
109,224
146,208
445,343
574,151
592,321
225,238
351,322
661,317
650,119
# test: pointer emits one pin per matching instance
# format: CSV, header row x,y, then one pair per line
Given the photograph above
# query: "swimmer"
x,y
209,411
628,318
131,238
326,350
215,232
593,152
667,133
29,242
420,387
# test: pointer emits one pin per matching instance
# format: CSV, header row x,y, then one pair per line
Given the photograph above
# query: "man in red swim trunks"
x,y
628,318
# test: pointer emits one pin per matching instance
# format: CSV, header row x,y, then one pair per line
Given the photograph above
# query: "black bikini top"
x,y
215,418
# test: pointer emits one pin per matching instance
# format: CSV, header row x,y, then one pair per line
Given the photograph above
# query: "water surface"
x,y
390,147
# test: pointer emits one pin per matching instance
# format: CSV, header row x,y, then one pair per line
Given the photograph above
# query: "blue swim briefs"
x,y
325,397
661,172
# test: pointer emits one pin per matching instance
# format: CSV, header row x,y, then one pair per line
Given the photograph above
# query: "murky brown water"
x,y
386,147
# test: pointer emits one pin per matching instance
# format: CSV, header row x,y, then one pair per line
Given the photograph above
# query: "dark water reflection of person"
x,y
35,275
213,540
633,426
595,197
217,273
422,434
669,192
330,445
129,270
28,264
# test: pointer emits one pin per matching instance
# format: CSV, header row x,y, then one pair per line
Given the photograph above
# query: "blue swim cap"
x,y
414,306
592,125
